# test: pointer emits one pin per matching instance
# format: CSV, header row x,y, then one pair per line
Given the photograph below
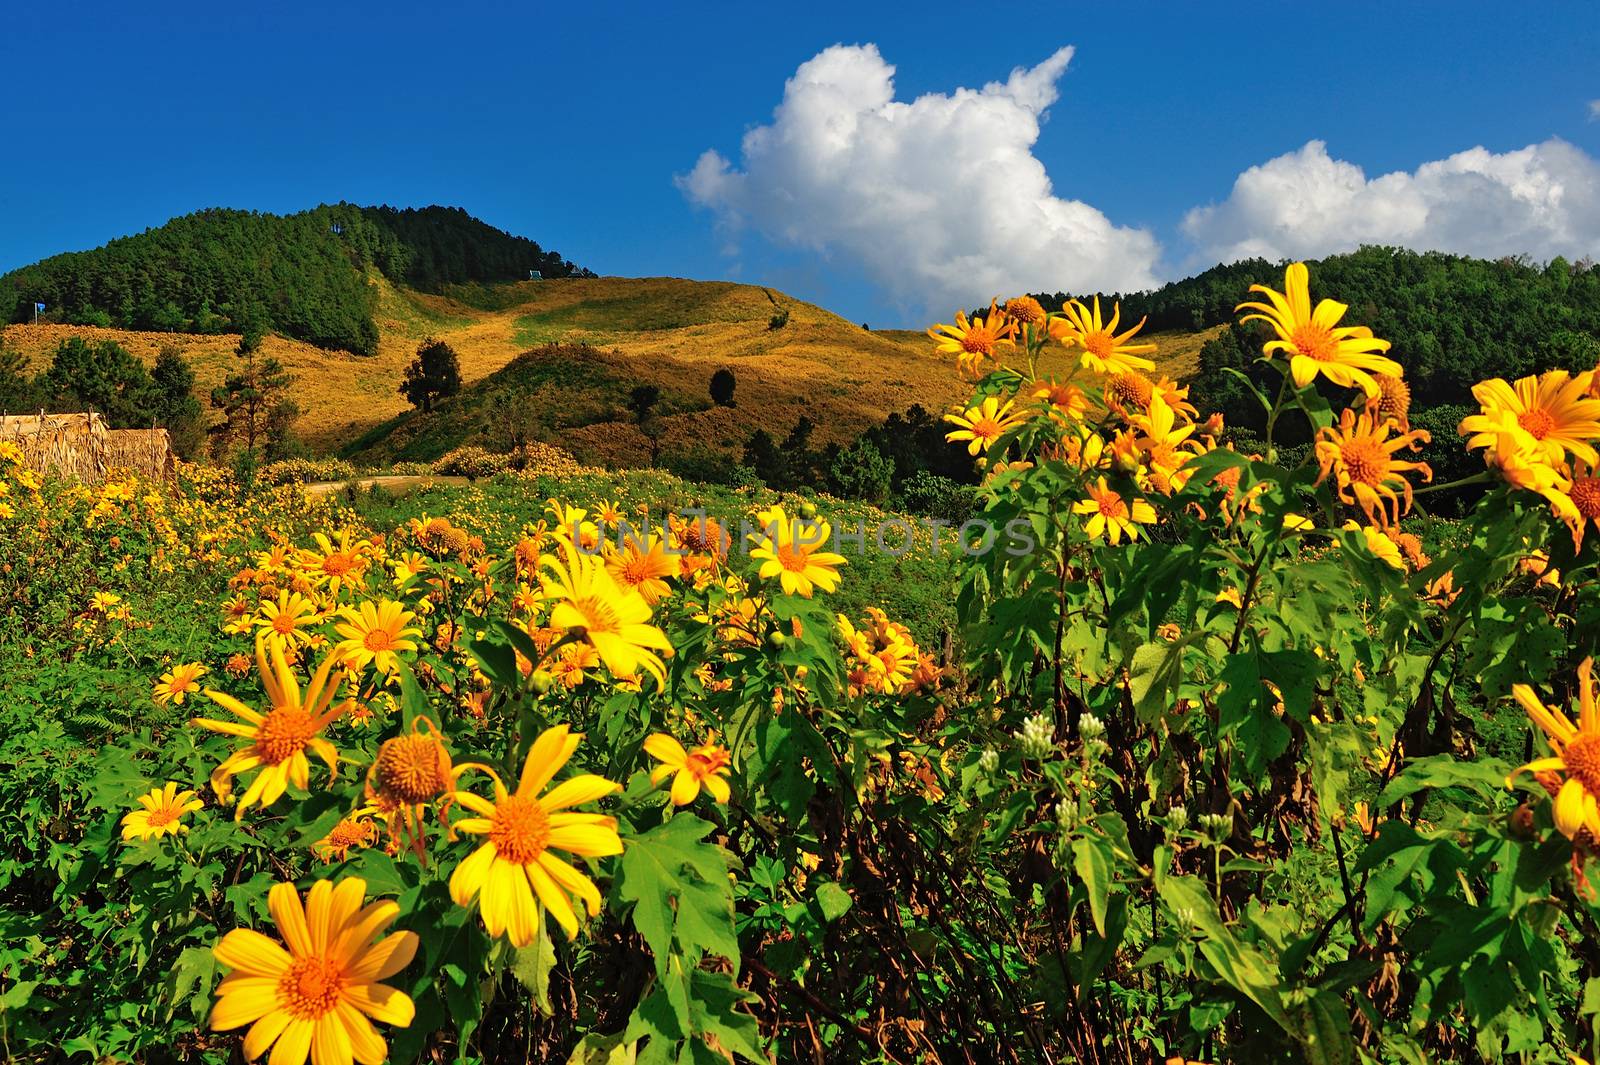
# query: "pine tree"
x,y
254,401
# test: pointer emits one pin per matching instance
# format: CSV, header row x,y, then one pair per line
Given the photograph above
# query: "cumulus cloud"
x,y
1542,200
1594,110
940,199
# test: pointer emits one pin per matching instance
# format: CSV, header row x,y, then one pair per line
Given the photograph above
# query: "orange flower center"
x,y
1100,345
161,816
337,564
1112,506
1131,390
283,733
1365,460
1586,496
794,557
1582,758
637,569
978,341
378,640
283,624
986,429
1538,422
1315,342
413,767
310,988
520,830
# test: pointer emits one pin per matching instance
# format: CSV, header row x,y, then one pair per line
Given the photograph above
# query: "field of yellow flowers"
x,y
1171,753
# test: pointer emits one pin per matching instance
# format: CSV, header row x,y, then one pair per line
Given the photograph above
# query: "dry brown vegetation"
x,y
671,332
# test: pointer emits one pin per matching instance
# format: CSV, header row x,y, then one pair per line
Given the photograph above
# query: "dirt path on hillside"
x,y
388,482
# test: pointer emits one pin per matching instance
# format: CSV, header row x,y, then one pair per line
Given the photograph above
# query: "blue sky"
x,y
569,124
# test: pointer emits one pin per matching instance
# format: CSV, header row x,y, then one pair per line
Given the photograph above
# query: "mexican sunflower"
x,y
982,425
1574,761
589,603
1105,351
1314,340
704,767
375,633
335,563
313,994
1112,516
179,682
160,813
517,862
1359,454
641,562
789,551
280,737
1549,415
287,620
973,340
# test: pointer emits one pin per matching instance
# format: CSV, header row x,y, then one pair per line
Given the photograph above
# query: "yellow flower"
x,y
336,564
407,568
973,341
1111,516
1063,400
279,738
375,633
609,512
517,863
614,620
642,564
1549,415
984,424
315,997
788,550
1315,341
160,814
1360,455
1380,544
179,682
704,767
286,620
1104,351
1572,771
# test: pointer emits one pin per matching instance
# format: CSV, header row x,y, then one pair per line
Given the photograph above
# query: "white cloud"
x,y
1542,200
1594,110
940,200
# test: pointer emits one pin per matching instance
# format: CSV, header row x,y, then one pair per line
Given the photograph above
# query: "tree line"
x,y
1453,320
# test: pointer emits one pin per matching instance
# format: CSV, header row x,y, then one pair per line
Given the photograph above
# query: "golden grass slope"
x,y
668,331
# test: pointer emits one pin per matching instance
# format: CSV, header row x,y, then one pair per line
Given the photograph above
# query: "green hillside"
x,y
304,276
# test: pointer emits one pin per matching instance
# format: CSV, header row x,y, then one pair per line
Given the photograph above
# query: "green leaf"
x,y
834,900
680,891
532,967
1092,860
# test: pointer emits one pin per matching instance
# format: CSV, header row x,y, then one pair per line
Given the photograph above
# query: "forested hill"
x,y
300,275
1452,320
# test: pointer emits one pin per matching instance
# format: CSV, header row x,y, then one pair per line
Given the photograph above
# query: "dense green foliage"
x,y
302,275
104,377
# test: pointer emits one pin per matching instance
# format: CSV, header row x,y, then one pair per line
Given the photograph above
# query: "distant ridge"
x,y
303,275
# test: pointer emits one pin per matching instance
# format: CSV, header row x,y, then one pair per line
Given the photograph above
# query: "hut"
x,y
60,445
146,452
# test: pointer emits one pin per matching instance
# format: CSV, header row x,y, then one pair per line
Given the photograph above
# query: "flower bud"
x,y
989,761
1037,737
1090,727
542,680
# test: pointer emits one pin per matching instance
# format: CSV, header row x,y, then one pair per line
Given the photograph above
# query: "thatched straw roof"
x,y
60,445
147,452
